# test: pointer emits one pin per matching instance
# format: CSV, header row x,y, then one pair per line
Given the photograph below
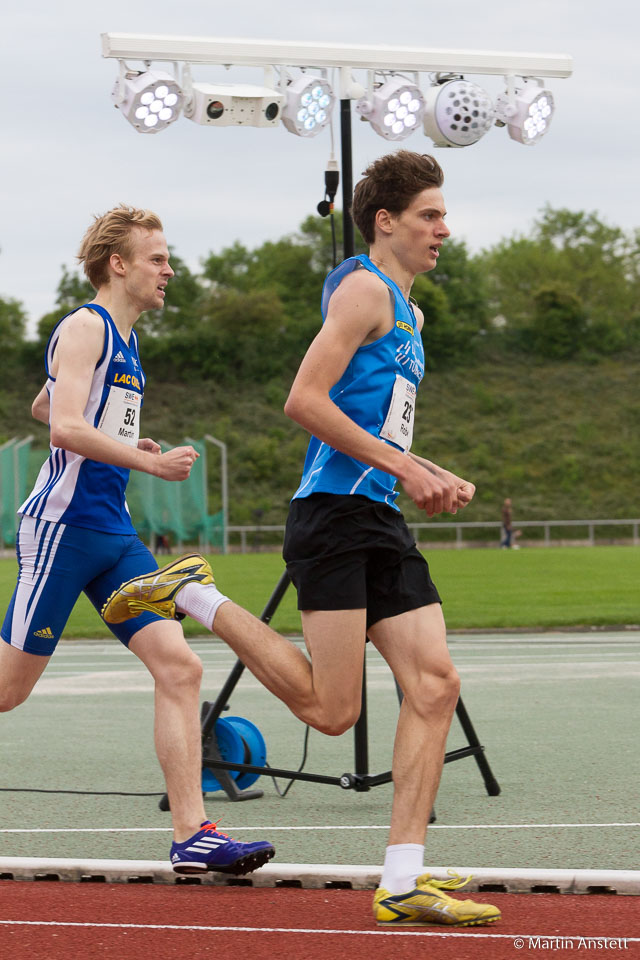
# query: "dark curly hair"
x,y
391,183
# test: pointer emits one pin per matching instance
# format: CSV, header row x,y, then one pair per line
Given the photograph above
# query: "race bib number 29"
x,y
121,416
398,426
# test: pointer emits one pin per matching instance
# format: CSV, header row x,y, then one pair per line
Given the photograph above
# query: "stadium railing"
x,y
248,539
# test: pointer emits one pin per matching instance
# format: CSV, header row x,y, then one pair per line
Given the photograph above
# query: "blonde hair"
x,y
109,234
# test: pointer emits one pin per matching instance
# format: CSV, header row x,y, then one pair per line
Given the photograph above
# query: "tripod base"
x,y
361,780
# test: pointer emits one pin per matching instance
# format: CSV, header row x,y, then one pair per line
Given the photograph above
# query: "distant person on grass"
x,y
507,524
348,550
76,533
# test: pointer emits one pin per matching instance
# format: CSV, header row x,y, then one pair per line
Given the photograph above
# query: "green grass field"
x,y
481,589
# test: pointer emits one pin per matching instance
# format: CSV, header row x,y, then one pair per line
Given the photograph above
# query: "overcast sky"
x,y
67,153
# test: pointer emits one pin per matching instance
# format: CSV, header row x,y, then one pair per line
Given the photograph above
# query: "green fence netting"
x,y
15,458
164,513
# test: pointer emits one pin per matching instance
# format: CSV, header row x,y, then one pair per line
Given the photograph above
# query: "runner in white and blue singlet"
x,y
76,534
67,484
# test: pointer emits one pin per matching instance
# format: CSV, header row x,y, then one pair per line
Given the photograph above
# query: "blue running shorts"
x,y
56,564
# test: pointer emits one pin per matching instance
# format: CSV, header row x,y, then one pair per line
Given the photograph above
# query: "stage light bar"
x,y
252,52
150,100
394,109
457,113
309,102
527,111
233,104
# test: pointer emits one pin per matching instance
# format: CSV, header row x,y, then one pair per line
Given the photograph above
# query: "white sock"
x,y
200,602
403,864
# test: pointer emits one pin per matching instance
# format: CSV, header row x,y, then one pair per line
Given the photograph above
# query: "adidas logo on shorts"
x,y
119,357
47,633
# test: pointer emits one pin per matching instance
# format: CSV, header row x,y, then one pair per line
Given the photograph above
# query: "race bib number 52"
x,y
121,416
398,426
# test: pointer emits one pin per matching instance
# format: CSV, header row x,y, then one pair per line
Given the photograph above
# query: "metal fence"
x,y
249,539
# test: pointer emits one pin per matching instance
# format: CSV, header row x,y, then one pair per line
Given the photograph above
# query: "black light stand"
x,y
348,235
360,780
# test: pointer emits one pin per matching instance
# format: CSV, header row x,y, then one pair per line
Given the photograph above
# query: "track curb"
x,y
319,876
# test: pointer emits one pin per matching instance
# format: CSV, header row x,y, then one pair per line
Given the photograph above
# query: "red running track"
x,y
44,920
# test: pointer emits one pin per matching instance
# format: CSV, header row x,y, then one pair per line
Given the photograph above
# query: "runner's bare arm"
x,y
78,350
40,406
359,312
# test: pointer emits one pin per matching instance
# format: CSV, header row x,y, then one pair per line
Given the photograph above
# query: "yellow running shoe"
x,y
428,904
156,591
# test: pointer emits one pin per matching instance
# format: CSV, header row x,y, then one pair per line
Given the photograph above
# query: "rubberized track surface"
x,y
46,920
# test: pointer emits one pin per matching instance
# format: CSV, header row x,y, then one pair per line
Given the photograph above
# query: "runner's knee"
x,y
12,697
435,693
182,671
336,720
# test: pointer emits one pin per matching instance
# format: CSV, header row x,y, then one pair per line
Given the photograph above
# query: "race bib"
x,y
121,416
398,427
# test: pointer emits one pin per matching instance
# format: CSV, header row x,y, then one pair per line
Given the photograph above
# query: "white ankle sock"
x,y
200,602
403,864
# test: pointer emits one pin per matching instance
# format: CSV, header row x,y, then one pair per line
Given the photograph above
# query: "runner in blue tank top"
x,y
76,533
349,553
381,380
348,550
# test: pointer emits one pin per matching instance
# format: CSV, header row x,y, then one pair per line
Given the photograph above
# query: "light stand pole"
x,y
348,236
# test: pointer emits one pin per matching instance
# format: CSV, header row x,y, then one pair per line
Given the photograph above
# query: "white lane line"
x,y
521,939
245,827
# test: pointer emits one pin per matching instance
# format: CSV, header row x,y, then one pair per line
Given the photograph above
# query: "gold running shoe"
x,y
428,904
156,591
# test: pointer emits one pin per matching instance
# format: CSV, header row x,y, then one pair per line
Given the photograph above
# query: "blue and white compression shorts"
x,y
56,564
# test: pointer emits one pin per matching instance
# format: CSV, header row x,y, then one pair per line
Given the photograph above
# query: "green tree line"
x,y
570,288
512,336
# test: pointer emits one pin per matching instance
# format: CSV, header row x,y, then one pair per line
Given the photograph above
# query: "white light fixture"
x,y
457,113
309,102
394,108
150,100
526,109
233,104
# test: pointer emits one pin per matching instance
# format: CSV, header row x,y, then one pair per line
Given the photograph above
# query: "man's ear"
x,y
117,264
384,221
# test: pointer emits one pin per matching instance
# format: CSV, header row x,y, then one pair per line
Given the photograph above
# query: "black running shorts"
x,y
347,552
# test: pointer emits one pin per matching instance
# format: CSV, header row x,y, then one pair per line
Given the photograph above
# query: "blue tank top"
x,y
364,394
72,489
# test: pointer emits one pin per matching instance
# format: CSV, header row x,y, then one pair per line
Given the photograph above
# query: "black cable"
x,y
325,207
333,240
118,793
283,793
82,793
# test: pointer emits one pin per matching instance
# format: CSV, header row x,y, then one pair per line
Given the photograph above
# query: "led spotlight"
x,y
233,104
457,113
394,110
528,113
310,101
150,100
